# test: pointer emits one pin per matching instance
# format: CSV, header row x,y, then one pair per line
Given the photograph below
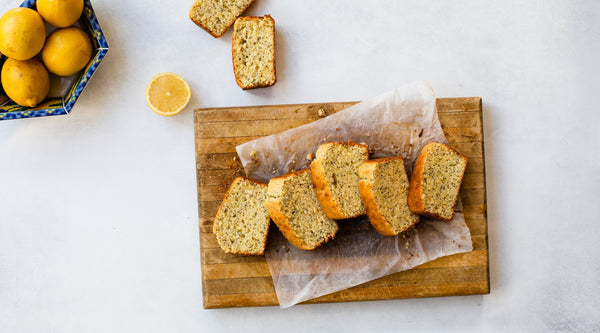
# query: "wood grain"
x,y
238,281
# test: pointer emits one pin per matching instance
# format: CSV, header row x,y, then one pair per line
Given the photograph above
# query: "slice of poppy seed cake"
x,y
293,206
436,180
242,221
384,191
335,177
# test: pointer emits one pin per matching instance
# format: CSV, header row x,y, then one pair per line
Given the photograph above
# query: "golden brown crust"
x,y
375,216
282,222
235,70
274,208
288,175
322,188
415,189
276,214
212,33
368,196
323,191
219,213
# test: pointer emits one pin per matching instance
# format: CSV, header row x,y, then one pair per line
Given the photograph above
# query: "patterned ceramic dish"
x,y
54,106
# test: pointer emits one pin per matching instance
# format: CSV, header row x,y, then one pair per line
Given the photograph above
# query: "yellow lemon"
x,y
60,13
22,33
26,82
67,51
167,94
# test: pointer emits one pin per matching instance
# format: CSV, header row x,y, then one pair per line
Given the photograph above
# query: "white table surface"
x,y
98,209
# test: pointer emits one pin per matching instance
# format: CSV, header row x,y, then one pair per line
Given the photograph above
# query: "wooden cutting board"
x,y
237,281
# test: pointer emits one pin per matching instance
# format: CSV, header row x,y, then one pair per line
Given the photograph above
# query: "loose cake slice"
x,y
436,181
253,52
293,206
384,190
242,221
335,177
216,16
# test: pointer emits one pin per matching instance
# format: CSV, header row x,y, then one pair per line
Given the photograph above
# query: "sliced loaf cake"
x,y
253,52
216,16
293,206
242,221
436,180
335,177
384,190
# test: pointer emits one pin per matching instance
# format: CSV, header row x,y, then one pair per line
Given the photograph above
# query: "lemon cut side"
x,y
167,94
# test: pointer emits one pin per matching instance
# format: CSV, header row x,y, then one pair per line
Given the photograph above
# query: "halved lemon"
x,y
167,94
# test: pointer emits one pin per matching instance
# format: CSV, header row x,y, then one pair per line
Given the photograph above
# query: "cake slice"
x,y
242,221
384,191
253,52
436,181
293,206
216,16
335,177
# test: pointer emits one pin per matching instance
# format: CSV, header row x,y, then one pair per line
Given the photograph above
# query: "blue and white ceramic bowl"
x,y
54,106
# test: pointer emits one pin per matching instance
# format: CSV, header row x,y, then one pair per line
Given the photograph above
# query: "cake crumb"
x,y
310,156
321,112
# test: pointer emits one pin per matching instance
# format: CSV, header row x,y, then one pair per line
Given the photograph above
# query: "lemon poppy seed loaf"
x,y
253,52
384,191
242,221
436,180
216,16
293,206
335,177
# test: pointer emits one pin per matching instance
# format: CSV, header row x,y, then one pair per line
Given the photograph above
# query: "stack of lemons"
x,y
23,40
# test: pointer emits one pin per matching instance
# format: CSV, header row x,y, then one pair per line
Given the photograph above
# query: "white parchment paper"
x,y
396,123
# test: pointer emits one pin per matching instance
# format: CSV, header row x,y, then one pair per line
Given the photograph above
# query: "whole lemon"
x,y
67,51
26,82
22,33
60,13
